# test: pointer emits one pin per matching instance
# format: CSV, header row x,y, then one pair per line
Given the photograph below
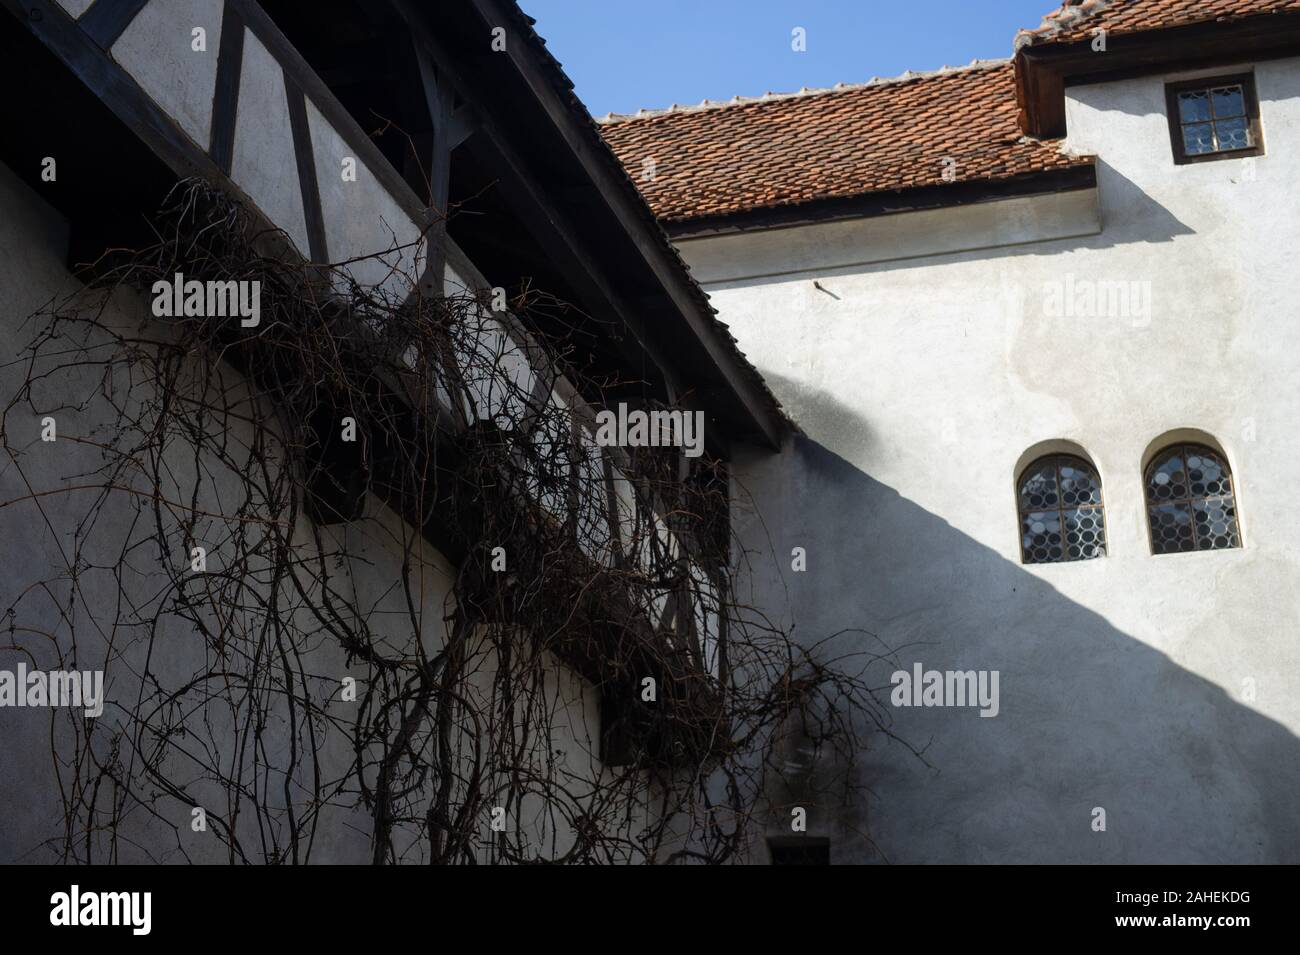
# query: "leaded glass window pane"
x,y
1061,511
1190,501
1214,119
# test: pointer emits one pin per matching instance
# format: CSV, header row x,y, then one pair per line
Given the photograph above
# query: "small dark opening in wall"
x,y
810,851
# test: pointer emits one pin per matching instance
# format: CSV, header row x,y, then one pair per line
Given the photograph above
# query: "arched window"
x,y
1190,502
1061,512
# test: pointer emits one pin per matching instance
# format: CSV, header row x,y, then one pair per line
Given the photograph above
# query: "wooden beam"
x,y
305,158
461,126
225,98
105,22
438,99
1040,98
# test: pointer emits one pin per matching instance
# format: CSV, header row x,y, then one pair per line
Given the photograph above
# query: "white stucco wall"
x,y
263,163
361,218
157,49
921,381
39,526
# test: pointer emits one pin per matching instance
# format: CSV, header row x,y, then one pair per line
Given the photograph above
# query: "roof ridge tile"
x,y
804,92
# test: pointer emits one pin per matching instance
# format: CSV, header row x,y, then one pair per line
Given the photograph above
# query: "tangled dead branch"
x,y
243,522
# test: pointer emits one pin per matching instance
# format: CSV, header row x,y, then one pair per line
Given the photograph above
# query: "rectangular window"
x,y
1214,118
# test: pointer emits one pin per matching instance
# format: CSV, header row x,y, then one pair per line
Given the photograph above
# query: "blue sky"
x,y
626,54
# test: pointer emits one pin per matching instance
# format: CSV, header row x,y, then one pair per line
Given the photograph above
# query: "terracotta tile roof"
x,y
1077,19
724,158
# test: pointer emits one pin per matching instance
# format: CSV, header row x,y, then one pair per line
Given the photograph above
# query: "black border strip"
x,y
1029,902
225,98
106,20
302,151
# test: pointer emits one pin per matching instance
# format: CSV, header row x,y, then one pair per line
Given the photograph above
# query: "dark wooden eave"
x,y
536,150
1044,70
595,223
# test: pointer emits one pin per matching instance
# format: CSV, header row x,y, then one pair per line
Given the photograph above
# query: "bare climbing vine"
x,y
286,650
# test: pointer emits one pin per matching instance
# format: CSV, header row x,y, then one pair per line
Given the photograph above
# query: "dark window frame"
x,y
1251,102
1184,449
1056,459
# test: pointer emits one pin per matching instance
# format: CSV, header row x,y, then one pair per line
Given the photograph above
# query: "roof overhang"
x,y
654,330
1044,70
571,188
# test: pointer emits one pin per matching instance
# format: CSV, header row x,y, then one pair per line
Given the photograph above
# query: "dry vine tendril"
x,y
468,694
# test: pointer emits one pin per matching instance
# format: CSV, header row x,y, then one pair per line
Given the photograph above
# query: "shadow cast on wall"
x,y
1089,716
